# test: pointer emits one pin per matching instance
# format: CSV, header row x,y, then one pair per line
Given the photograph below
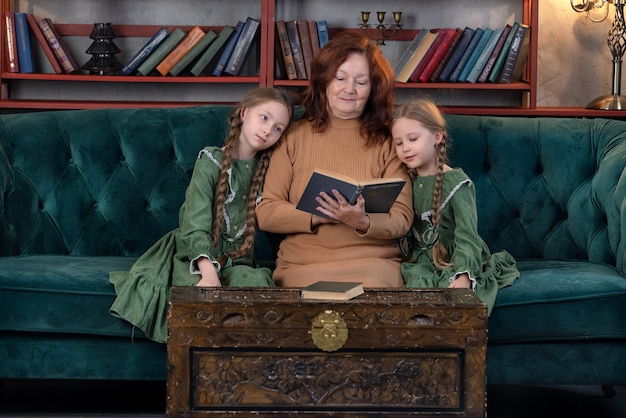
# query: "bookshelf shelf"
x,y
132,78
268,11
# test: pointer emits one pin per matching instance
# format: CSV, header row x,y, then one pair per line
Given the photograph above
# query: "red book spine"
x,y
11,46
61,53
34,27
438,55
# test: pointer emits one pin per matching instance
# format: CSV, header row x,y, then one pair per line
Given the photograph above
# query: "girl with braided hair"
x,y
213,245
445,250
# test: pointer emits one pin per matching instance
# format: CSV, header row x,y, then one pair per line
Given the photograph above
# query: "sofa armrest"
x,y
6,179
609,185
619,223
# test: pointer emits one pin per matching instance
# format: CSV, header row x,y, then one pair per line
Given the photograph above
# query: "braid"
x,y
440,255
222,190
257,181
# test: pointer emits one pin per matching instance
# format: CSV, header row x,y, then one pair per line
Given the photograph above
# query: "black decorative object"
x,y
103,50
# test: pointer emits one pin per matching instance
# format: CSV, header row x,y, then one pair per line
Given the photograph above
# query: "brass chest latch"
x,y
329,331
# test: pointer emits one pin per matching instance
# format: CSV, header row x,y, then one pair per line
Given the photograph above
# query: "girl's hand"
x,y
208,272
209,282
461,282
338,208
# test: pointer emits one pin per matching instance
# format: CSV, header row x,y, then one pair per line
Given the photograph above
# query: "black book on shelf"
x,y
249,33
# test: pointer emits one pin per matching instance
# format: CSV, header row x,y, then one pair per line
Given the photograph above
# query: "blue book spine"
x,y
468,33
249,33
478,33
24,52
144,52
228,50
322,32
473,59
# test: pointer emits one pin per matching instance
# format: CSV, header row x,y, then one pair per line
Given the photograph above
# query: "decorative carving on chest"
x,y
357,316
353,379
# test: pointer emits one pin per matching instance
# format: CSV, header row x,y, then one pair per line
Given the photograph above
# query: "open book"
x,y
380,194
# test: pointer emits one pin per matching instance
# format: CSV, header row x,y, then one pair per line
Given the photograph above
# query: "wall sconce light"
x,y
384,32
616,41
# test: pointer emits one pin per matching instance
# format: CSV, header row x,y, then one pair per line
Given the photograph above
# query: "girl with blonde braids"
x,y
445,250
213,245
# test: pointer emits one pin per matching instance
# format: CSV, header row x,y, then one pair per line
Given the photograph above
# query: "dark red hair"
x,y
375,116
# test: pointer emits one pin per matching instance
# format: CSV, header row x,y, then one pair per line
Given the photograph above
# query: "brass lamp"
x,y
616,41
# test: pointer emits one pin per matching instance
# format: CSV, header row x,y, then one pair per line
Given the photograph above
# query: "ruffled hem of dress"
x,y
142,303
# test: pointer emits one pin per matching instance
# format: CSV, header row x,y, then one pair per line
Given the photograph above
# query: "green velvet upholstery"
x,y
83,193
552,192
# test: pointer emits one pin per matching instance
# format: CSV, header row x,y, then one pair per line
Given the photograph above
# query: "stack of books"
x,y
297,43
471,55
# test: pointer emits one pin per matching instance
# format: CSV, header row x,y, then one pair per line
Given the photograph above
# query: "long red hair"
x,y
375,116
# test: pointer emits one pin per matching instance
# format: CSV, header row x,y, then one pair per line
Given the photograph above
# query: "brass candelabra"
x,y
384,32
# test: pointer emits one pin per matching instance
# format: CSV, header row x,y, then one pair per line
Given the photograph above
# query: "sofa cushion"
x,y
60,294
560,301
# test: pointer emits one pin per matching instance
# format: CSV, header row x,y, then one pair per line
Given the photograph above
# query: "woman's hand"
x,y
340,210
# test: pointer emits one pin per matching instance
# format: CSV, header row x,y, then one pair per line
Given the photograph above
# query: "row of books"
x,y
473,55
297,43
196,52
19,54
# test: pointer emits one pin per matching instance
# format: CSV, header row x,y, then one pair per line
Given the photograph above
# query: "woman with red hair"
x,y
344,130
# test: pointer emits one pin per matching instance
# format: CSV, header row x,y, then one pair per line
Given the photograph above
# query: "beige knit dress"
x,y
333,251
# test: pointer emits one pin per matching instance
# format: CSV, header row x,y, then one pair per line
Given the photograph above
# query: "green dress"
x,y
143,292
459,234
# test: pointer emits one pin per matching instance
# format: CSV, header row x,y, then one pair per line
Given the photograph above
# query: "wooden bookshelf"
x,y
527,88
267,12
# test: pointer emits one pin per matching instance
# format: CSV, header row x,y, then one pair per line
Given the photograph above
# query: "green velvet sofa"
x,y
85,192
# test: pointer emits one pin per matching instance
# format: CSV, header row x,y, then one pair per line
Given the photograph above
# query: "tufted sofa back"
x,y
110,182
547,187
98,182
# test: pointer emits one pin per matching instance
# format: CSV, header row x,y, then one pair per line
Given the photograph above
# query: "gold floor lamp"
x,y
597,11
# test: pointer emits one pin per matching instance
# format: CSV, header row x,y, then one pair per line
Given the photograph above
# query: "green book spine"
x,y
497,67
193,53
212,50
161,52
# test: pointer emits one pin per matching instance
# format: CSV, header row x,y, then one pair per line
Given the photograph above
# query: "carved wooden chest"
x,y
266,352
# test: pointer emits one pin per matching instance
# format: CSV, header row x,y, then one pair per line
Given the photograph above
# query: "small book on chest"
x,y
380,193
332,290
